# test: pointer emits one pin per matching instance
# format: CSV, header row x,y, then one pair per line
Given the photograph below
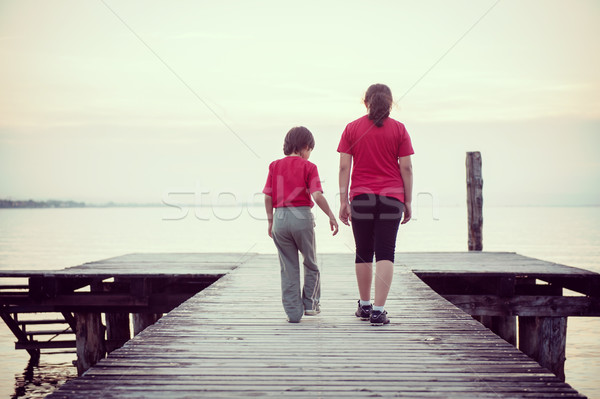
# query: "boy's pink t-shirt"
x,y
291,181
375,152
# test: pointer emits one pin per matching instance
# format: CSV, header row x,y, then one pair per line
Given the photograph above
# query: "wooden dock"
x,y
144,285
232,338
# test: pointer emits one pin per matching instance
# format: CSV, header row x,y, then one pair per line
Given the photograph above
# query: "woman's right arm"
x,y
407,179
345,168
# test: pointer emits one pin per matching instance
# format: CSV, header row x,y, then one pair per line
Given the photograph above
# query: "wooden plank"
x,y
134,265
104,273
13,287
486,264
50,332
33,322
526,305
422,263
232,340
79,300
35,345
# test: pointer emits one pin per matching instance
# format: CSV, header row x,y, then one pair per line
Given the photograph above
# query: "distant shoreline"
x,y
33,204
4,203
30,204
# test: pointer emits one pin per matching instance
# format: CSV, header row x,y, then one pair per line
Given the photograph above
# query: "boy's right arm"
x,y
269,209
324,205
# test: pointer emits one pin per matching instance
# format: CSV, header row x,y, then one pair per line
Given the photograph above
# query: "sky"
x,y
147,101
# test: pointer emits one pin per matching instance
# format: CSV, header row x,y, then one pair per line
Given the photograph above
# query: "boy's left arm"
x,y
322,203
269,209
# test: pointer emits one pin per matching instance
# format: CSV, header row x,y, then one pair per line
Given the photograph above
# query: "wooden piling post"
x,y
544,339
89,340
143,320
475,200
142,288
117,324
503,326
117,330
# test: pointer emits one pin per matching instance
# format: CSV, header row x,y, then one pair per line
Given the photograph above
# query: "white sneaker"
x,y
312,312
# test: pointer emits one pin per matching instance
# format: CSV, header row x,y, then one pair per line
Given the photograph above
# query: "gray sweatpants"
x,y
293,231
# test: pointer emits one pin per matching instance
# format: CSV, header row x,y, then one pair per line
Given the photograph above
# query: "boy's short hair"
x,y
297,139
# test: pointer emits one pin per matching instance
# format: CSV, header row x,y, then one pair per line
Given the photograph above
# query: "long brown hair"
x,y
378,99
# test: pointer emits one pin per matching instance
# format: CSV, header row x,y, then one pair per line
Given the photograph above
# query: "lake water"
x,y
58,238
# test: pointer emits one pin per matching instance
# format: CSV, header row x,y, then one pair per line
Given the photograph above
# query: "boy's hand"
x,y
270,229
345,215
334,225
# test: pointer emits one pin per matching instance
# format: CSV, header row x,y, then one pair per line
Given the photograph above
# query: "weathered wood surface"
x,y
475,200
503,326
232,340
141,321
422,263
117,330
90,340
134,265
145,284
526,305
545,339
487,264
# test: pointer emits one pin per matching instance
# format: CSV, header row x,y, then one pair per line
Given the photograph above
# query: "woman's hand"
x,y
407,212
270,229
345,215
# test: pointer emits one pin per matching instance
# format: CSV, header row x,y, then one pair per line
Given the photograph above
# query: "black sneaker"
x,y
364,312
379,318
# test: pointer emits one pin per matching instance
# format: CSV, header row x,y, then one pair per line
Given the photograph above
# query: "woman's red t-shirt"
x,y
375,152
291,181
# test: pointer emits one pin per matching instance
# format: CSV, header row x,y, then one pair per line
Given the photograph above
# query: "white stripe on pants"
x,y
293,232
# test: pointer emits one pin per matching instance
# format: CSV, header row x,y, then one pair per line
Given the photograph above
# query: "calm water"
x,y
58,238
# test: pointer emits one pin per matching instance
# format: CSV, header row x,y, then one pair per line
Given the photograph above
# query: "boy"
x,y
291,183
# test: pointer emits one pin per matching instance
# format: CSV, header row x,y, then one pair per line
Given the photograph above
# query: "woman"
x,y
377,150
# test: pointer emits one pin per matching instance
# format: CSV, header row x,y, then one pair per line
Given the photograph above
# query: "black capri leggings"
x,y
375,221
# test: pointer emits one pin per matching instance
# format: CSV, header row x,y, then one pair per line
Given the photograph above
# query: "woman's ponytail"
x,y
378,99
